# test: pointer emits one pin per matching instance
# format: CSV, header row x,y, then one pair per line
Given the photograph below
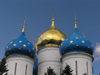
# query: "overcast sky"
x,y
39,16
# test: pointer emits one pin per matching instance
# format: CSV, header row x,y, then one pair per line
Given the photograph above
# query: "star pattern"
x,y
20,46
11,42
83,41
73,33
29,51
20,41
9,49
76,37
77,45
24,45
71,41
14,44
28,43
6,46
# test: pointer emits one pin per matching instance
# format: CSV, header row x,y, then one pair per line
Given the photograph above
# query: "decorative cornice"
x,y
77,53
20,56
47,47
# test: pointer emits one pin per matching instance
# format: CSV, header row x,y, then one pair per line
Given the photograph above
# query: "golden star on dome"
x,y
11,42
9,49
28,43
24,45
33,48
76,37
24,37
66,39
71,41
29,51
77,45
19,48
20,41
73,33
92,45
14,44
88,47
83,41
6,46
87,39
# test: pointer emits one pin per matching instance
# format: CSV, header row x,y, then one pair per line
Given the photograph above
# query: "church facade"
x,y
53,49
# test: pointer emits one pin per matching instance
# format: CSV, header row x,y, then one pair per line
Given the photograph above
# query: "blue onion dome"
x,y
35,68
20,46
76,43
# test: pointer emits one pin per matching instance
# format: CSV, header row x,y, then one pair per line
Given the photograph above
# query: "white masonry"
x,y
49,57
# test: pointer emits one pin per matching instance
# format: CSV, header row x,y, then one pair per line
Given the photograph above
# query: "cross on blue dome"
x,y
76,43
20,46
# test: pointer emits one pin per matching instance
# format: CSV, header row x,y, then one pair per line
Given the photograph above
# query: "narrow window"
x,y
76,67
26,70
15,68
87,67
60,70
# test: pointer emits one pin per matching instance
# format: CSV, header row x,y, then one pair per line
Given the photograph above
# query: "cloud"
x,y
97,52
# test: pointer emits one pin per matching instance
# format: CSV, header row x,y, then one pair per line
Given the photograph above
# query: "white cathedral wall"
x,y
49,57
20,65
84,63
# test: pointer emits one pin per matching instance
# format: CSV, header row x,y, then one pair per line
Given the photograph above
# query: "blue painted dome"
x,y
35,68
20,46
76,43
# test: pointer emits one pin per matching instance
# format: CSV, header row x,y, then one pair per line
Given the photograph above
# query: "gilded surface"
x,y
51,37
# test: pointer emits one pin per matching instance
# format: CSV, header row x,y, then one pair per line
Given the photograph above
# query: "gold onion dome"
x,y
51,37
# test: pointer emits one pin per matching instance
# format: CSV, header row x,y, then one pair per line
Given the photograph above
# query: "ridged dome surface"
x,y
51,37
20,46
76,43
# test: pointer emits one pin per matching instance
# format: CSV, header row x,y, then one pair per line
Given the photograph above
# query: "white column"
x,y
20,65
79,62
49,57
